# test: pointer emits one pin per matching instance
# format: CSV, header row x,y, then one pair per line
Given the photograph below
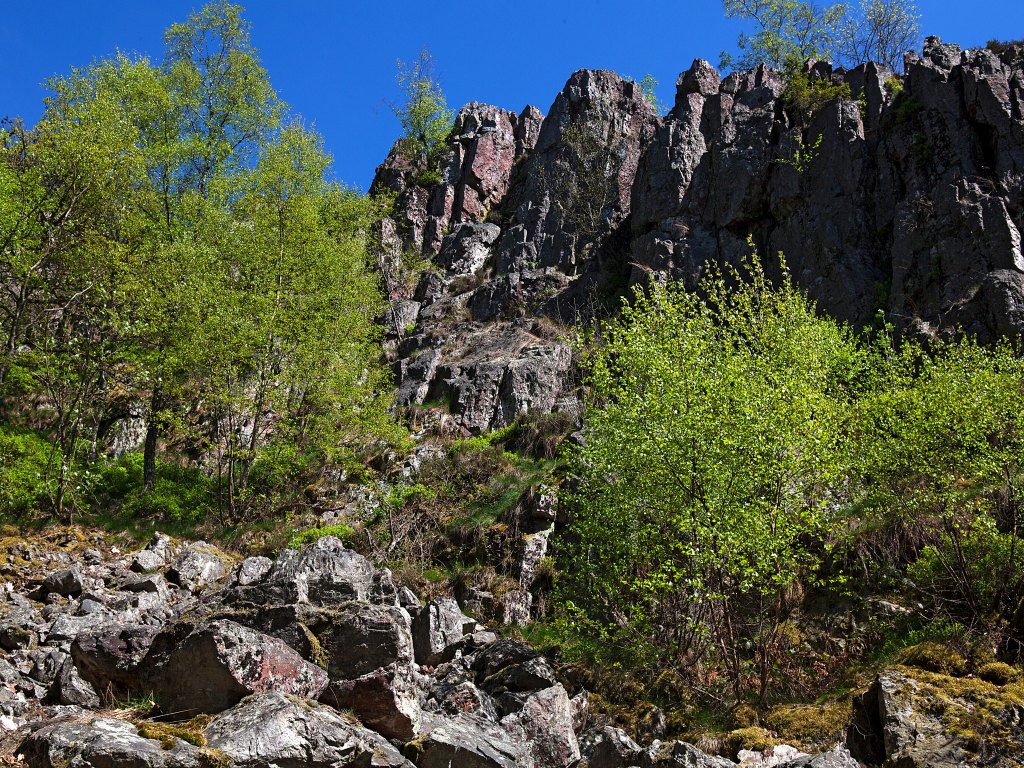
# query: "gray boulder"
x,y
897,722
835,758
608,747
386,699
468,742
196,565
271,730
66,582
679,754
252,570
70,688
323,573
437,626
547,725
89,742
110,657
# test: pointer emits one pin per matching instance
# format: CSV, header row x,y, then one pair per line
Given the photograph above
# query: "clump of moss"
x,y
168,733
810,727
745,716
934,657
977,713
754,739
317,654
997,672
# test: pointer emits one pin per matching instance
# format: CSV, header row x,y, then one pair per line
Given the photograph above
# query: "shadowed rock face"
x,y
908,198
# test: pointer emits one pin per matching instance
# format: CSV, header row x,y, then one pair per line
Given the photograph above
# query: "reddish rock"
x,y
220,663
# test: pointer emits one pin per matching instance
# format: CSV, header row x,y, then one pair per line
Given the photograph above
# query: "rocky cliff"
x,y
907,197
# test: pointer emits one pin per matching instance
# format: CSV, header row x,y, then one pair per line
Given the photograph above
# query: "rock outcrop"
x,y
905,197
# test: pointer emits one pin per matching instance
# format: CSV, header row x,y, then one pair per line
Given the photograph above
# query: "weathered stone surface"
x,y
475,174
468,742
907,198
252,570
271,730
578,178
679,754
437,626
897,721
385,699
102,743
358,638
500,655
503,373
219,663
196,565
110,657
323,573
65,582
70,688
467,248
546,721
529,675
836,758
608,747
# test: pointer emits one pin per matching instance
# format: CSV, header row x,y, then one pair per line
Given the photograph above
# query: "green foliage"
x,y
648,85
168,236
905,108
24,466
181,495
341,531
940,444
790,32
740,450
424,114
712,446
804,96
803,156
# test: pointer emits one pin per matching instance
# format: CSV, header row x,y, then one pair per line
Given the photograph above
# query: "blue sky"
x,y
333,61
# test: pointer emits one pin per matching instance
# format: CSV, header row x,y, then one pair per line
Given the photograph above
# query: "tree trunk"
x,y
153,430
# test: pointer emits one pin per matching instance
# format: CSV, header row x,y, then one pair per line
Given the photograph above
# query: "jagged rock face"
x,y
284,652
908,198
577,182
909,202
484,144
272,729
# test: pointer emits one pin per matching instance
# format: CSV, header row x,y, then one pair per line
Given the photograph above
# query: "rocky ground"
x,y
181,655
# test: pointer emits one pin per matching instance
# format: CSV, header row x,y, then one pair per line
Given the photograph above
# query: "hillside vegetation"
x,y
554,368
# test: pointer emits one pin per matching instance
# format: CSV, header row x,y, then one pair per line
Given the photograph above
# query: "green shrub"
x,y
804,96
24,461
180,494
966,571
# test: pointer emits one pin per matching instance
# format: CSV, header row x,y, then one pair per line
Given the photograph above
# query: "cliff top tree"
x,y
424,114
792,31
879,30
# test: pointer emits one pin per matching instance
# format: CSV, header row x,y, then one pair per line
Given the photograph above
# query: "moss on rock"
x,y
811,727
